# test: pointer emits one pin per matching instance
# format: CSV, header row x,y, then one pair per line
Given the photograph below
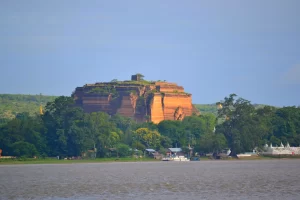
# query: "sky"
x,y
211,48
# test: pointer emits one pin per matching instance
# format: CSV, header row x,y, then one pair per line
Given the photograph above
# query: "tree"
x,y
173,130
198,125
240,128
122,123
62,121
24,149
211,142
147,137
286,125
65,130
165,142
123,150
138,145
23,128
102,132
141,76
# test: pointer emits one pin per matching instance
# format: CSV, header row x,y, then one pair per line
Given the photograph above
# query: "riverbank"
x,y
110,160
55,161
267,157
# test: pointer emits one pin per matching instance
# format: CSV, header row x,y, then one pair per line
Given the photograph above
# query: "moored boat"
x,y
176,158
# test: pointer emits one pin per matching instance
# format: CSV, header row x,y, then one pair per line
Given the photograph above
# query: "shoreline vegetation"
x,y
17,161
64,130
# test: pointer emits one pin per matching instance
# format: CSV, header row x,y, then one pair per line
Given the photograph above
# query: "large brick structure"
x,y
138,99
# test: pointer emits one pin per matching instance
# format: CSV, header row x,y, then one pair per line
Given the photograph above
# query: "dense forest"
x,y
64,130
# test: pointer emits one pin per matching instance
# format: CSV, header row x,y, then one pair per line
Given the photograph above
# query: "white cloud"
x,y
292,76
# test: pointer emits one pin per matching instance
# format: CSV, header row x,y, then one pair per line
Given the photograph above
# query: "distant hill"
x,y
12,104
212,108
207,108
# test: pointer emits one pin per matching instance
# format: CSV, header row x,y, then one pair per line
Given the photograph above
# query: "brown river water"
x,y
267,179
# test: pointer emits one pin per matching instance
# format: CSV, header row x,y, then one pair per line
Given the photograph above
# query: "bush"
x,y
24,149
123,150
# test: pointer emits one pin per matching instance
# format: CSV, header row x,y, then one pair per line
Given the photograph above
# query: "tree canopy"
x,y
65,130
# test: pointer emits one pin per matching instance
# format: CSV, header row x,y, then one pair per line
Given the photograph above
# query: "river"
x,y
264,179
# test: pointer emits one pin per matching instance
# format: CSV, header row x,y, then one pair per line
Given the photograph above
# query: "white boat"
x,y
180,158
176,158
167,159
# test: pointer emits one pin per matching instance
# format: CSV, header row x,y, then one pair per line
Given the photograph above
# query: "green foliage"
x,y
212,108
103,91
135,83
207,108
140,105
211,142
12,104
149,98
285,125
24,128
149,138
239,127
173,130
116,101
133,92
65,130
98,90
138,145
121,122
24,149
61,120
123,150
247,127
140,75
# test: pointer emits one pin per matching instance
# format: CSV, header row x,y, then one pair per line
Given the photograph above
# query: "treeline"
x,y
64,130
13,104
245,126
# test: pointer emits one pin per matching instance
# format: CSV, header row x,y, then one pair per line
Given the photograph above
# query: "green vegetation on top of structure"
x,y
140,105
106,90
120,83
141,82
177,92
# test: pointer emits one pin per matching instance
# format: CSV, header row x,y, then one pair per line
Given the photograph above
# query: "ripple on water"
x,y
276,179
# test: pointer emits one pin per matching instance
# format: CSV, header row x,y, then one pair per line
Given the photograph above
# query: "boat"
x,y
195,158
176,158
180,158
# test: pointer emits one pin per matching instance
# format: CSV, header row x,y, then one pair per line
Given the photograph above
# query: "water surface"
x,y
267,179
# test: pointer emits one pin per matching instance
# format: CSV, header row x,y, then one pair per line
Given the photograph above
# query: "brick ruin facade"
x,y
138,99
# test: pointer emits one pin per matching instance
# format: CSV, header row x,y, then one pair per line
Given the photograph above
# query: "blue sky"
x,y
211,48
